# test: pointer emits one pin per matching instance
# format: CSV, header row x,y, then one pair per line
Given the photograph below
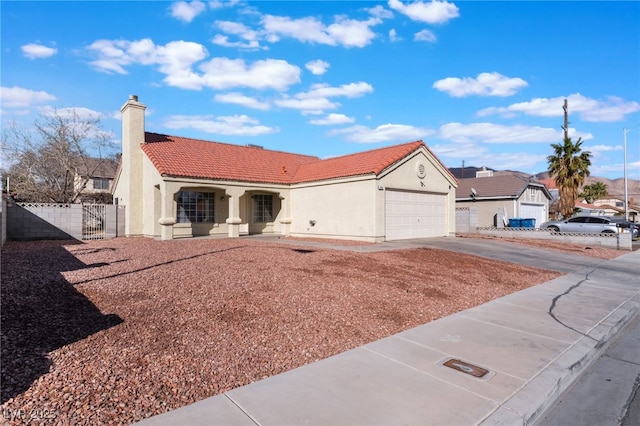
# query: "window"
x,y
597,220
195,207
581,219
262,208
619,203
100,183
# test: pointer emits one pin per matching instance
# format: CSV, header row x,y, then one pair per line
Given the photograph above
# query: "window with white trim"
x,y
99,183
195,207
262,208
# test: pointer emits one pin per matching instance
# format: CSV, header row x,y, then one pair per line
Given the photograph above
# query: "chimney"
x,y
484,172
129,191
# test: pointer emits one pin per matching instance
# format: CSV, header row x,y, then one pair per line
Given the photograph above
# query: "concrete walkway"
x,y
530,345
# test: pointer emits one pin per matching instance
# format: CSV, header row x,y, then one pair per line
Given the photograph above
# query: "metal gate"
x,y
93,221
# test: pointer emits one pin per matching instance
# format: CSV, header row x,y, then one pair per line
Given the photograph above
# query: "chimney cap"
x,y
133,98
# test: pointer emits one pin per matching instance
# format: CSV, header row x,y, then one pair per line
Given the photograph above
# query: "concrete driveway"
x,y
552,260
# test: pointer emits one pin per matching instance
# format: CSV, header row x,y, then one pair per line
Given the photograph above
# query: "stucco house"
x,y
94,180
175,187
500,198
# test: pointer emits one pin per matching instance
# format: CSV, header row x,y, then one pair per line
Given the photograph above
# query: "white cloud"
x,y
486,84
218,4
380,12
425,35
344,32
332,119
315,101
250,38
240,99
351,90
186,11
178,58
596,149
393,35
237,125
18,97
307,105
222,40
477,155
317,67
79,112
433,12
224,73
38,51
588,109
383,133
499,134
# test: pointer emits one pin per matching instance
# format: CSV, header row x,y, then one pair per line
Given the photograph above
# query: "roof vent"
x,y
133,98
250,145
421,169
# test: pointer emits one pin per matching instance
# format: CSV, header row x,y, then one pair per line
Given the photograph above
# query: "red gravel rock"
x,y
111,332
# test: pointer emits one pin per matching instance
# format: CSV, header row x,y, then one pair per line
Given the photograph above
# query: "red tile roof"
x,y
177,156
550,183
361,163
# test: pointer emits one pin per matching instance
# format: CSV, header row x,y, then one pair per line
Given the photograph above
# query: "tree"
x,y
569,166
51,162
594,192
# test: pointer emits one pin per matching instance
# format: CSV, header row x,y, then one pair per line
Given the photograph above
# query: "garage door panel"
x,y
415,215
535,211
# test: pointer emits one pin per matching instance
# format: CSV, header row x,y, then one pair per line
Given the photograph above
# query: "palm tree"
x,y
594,192
569,166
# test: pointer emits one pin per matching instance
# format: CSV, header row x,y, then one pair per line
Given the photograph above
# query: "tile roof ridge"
x,y
372,150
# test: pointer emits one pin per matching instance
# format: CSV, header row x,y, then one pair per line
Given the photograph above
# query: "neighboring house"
x,y
614,206
94,180
554,203
500,198
589,209
179,187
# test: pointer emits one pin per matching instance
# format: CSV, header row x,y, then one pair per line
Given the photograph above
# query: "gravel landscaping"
x,y
114,331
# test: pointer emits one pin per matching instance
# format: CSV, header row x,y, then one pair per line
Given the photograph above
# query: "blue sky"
x,y
480,82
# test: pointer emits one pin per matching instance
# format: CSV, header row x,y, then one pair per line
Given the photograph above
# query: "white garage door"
x,y
415,215
533,211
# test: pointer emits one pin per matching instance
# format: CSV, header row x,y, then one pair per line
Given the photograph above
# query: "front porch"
x,y
189,209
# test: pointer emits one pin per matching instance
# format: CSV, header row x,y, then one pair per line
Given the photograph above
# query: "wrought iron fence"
x,y
93,221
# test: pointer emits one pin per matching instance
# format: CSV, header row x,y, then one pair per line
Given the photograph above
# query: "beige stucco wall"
x,y
343,209
128,185
487,210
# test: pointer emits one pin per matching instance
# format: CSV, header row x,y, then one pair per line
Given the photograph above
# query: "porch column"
x,y
286,215
234,219
167,219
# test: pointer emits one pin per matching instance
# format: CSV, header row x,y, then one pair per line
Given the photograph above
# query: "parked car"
x,y
583,224
626,225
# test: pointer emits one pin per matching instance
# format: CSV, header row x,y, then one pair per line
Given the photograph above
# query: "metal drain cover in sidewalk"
x,y
466,368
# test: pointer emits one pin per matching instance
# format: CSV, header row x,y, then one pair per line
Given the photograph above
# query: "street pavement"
x,y
505,362
607,393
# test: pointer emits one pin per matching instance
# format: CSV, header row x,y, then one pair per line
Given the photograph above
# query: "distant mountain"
x,y
614,186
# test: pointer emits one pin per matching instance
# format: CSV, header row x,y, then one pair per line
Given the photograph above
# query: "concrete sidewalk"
x,y
532,344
